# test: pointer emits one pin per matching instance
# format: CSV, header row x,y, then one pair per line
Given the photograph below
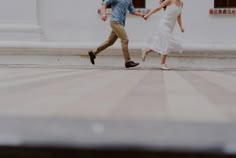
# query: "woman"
x,y
162,41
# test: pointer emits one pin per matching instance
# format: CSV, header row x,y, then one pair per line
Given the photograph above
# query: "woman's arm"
x,y
179,19
164,4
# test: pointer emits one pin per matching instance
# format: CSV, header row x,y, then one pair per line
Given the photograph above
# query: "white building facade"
x,y
76,23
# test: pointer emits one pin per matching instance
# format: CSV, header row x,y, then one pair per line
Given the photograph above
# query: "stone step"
x,y
152,61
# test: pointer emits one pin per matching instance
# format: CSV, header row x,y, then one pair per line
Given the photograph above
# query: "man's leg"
x,y
110,41
121,33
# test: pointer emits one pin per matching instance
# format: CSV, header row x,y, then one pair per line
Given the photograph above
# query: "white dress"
x,y
162,41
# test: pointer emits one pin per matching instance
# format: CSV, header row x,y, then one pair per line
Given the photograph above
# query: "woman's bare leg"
x,y
163,63
145,53
163,59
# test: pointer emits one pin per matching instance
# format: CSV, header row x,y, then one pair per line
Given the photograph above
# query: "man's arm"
x,y
104,14
138,13
105,3
133,11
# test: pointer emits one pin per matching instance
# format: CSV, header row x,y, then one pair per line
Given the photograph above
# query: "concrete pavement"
x,y
42,91
110,91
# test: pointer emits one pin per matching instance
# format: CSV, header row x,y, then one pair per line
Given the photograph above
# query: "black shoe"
x,y
92,57
131,64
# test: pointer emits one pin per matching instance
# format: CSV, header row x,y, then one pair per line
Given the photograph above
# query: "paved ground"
x,y
200,99
111,92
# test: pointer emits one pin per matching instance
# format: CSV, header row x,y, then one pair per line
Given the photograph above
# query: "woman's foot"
x,y
144,54
165,67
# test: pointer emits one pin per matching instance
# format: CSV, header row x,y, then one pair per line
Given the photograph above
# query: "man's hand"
x,y
104,17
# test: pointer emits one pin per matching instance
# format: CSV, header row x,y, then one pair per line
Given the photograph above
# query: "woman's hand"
x,y
182,29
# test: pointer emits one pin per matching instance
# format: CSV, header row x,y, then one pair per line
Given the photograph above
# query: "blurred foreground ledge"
x,y
57,137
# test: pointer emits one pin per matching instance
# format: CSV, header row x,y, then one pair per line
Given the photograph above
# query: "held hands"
x,y
142,15
145,17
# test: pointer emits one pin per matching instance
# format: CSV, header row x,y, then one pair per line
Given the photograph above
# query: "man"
x,y
117,23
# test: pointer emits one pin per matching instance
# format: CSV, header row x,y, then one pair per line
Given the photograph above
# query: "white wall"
x,y
203,28
77,21
71,20
18,20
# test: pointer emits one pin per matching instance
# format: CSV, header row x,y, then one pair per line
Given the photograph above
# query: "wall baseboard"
x,y
73,48
20,32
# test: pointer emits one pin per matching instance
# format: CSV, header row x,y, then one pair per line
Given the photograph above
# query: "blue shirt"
x,y
119,9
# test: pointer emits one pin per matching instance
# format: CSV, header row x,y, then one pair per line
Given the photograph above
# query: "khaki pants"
x,y
118,31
